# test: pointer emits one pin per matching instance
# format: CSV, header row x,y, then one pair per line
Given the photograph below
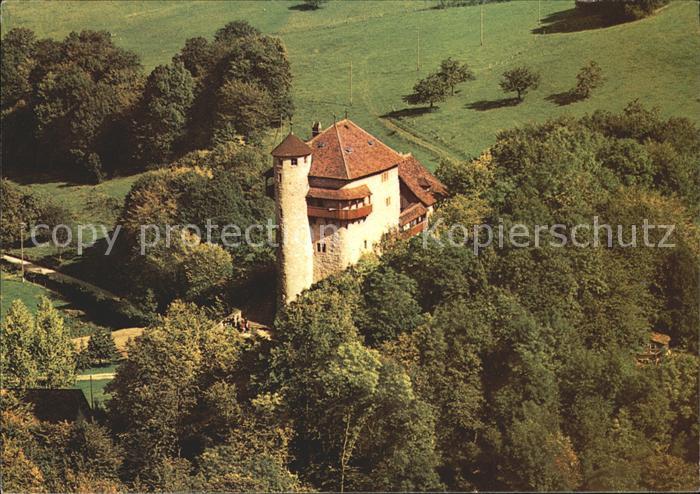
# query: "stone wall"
x,y
345,242
294,254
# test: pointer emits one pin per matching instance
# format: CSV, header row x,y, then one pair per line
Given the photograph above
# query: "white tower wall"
x,y
295,250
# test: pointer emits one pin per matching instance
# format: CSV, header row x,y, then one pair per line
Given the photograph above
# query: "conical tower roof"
x,y
291,147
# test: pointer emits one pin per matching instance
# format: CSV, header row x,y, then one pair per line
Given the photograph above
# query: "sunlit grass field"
x,y
654,59
97,394
29,293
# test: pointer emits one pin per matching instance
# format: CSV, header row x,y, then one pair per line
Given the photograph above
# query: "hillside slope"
x,y
654,60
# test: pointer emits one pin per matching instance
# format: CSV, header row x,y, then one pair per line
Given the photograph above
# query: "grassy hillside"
x,y
94,203
29,293
87,204
654,60
12,287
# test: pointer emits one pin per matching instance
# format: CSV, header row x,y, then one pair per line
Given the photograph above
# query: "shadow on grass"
x,y
484,105
409,112
571,21
563,99
304,7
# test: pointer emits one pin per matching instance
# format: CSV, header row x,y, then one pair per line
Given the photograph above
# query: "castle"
x,y
336,196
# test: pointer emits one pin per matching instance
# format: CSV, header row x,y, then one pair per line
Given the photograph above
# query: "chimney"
x,y
315,129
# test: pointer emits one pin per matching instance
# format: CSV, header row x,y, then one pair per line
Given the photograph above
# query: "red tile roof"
x,y
345,151
412,212
426,187
339,194
291,147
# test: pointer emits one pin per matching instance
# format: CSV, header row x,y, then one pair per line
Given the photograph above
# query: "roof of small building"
x,y
57,405
424,185
412,212
345,151
339,194
660,338
291,147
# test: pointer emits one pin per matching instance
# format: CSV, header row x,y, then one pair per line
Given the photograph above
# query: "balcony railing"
x,y
340,214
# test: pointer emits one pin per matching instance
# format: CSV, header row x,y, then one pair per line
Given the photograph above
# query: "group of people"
x,y
241,323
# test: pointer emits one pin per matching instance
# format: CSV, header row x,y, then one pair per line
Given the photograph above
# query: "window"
x,y
385,176
294,162
365,244
320,247
388,201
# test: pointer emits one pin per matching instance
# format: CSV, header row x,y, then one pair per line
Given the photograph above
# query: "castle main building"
x,y
337,195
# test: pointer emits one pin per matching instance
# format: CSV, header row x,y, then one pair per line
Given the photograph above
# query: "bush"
x,y
101,349
590,77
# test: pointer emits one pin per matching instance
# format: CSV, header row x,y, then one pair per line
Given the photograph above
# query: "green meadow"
x,y
654,59
29,293
86,204
12,288
94,390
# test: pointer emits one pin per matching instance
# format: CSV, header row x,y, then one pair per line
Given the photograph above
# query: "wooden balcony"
x,y
414,230
340,214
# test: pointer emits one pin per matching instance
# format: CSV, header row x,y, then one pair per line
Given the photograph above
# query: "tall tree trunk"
x,y
343,459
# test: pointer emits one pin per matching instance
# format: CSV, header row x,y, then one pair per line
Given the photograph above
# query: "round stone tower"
x,y
295,257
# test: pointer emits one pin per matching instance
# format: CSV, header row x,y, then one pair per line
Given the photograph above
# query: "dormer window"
x,y
294,162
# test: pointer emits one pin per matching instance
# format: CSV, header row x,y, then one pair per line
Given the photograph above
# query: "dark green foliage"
x,y
442,271
519,80
75,93
314,4
455,72
101,349
41,456
358,423
538,378
181,401
620,11
216,188
162,113
673,146
433,89
390,306
590,77
17,50
240,67
446,4
80,108
244,109
18,207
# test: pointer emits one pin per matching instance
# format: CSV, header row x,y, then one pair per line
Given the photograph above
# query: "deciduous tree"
x,y
590,77
455,72
433,89
520,80
53,348
162,113
19,367
101,349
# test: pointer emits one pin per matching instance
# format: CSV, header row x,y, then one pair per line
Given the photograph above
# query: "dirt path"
x,y
50,273
95,377
403,130
411,136
121,339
